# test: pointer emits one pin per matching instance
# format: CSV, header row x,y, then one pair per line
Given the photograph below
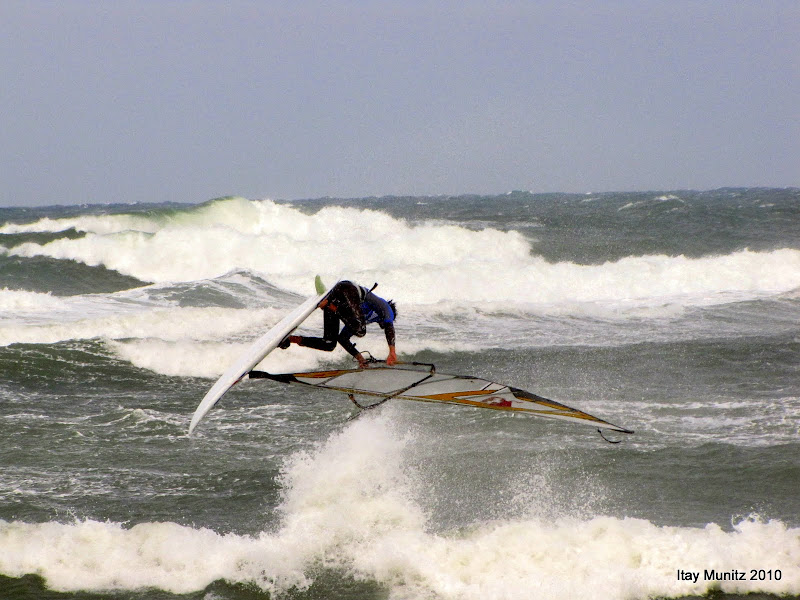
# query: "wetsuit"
x,y
355,306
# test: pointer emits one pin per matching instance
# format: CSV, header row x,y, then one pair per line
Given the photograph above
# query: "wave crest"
x,y
422,263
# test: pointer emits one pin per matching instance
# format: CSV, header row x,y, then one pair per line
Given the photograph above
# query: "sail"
x,y
422,383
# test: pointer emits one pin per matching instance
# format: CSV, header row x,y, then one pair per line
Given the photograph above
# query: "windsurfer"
x,y
354,306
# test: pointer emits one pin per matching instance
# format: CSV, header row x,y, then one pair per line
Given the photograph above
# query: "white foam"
x,y
192,358
355,503
105,556
417,264
20,301
166,324
456,289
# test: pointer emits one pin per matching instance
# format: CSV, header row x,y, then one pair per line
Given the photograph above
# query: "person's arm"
x,y
344,342
388,329
386,322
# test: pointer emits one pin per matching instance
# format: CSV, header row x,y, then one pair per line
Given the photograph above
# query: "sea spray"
x,y
348,505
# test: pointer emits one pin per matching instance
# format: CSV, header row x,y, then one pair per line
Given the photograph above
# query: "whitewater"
x,y
673,313
351,507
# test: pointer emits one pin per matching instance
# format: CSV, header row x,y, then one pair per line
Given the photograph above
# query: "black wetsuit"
x,y
355,307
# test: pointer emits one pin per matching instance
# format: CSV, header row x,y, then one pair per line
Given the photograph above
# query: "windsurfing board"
x,y
257,352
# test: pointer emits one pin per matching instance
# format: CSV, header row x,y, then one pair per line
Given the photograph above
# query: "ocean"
x,y
674,313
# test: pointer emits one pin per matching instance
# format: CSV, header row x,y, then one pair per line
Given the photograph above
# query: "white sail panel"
x,y
421,382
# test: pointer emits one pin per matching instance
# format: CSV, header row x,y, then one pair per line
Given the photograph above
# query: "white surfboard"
x,y
256,353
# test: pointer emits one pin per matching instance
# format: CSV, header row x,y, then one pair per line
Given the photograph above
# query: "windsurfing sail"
x,y
421,382
257,352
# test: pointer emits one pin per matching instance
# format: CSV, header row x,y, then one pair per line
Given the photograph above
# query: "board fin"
x,y
320,287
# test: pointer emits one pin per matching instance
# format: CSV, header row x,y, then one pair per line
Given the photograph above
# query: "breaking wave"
x,y
355,504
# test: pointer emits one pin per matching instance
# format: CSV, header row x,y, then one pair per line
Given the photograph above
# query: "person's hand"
x,y
392,358
362,363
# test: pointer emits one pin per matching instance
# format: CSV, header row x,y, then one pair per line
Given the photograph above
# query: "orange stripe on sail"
x,y
451,396
321,374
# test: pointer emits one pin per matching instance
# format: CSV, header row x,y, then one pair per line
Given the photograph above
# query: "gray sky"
x,y
154,101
